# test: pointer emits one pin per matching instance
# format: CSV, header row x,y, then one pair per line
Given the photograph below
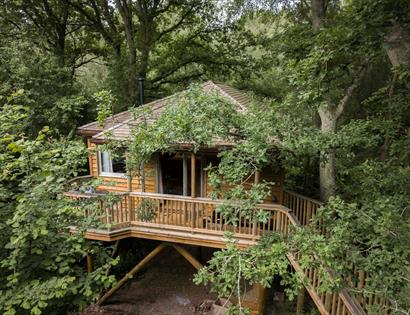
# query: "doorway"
x,y
175,174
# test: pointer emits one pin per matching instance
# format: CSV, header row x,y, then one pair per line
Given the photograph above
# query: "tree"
x,y
346,103
54,26
41,262
143,34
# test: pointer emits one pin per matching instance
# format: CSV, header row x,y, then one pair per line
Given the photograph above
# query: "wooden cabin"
x,y
166,173
176,189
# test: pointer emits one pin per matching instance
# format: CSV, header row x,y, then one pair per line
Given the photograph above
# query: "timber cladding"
x,y
267,174
120,184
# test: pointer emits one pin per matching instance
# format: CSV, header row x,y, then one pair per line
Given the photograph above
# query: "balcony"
x,y
179,219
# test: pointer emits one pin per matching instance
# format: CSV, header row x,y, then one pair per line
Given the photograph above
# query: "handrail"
x,y
264,206
198,214
302,196
78,179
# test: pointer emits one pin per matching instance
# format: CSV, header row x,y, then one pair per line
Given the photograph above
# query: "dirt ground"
x,y
164,287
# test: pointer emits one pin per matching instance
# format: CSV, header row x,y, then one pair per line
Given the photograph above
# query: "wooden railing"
x,y
304,208
330,303
189,214
202,214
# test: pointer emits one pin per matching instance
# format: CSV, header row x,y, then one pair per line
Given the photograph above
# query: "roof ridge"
x,y
227,94
236,96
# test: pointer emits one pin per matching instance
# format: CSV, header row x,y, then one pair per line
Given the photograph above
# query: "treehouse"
x,y
169,201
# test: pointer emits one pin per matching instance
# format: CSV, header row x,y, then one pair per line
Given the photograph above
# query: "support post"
x,y
193,175
202,166
257,177
129,200
185,174
90,263
129,183
133,271
188,256
193,190
300,301
261,298
142,171
254,221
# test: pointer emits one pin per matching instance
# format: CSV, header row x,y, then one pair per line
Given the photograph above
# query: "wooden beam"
x,y
90,264
261,298
202,166
185,174
133,271
90,160
300,301
129,183
257,177
159,189
193,175
188,256
142,171
254,221
157,170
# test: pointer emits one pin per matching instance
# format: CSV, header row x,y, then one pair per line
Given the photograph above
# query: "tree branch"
x,y
346,98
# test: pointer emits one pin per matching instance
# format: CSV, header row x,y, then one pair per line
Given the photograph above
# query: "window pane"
x,y
113,163
118,163
106,165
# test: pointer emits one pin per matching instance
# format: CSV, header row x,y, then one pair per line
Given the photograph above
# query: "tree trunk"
x,y
398,47
328,119
327,159
126,14
318,13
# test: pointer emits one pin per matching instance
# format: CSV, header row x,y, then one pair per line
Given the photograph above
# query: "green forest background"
x,y
334,79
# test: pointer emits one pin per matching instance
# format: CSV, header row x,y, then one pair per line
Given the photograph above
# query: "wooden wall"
x,y
267,174
120,184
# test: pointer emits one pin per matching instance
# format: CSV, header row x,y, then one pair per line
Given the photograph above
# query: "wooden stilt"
x,y
261,298
300,301
133,271
257,177
90,264
254,299
187,255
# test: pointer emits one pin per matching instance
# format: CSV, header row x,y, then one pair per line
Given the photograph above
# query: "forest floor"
x,y
165,287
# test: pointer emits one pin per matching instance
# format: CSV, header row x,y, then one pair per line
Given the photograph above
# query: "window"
x,y
113,166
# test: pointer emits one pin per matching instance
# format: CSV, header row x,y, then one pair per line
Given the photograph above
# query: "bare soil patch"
x,y
165,287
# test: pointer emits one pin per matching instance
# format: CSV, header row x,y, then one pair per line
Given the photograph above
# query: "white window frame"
x,y
108,174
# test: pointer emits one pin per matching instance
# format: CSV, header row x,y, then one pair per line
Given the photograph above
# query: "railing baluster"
x,y
200,213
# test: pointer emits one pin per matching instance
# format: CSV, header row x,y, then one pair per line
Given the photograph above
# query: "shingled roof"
x,y
119,126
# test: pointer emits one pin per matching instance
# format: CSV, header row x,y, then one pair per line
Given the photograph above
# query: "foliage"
x,y
41,262
192,118
268,46
340,67
232,271
146,210
105,103
52,97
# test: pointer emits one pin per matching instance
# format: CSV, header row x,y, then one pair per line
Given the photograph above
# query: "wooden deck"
x,y
180,219
195,221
